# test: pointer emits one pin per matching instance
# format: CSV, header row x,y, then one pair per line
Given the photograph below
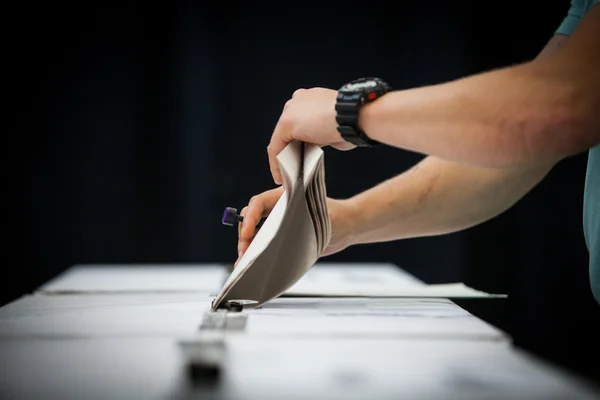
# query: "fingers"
x,y
243,214
252,217
258,207
242,244
280,138
297,92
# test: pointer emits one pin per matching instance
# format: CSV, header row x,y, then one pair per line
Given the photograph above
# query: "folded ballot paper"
x,y
291,238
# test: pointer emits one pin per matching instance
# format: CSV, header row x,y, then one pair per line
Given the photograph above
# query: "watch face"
x,y
359,86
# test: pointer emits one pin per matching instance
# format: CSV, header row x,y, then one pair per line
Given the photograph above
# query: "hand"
x,y
261,205
309,116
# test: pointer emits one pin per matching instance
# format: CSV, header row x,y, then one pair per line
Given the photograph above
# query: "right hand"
x,y
261,205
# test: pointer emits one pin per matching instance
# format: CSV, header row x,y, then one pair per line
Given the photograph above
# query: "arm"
x,y
534,113
434,197
439,196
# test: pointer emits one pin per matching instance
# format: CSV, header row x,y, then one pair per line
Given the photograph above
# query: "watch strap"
x,y
348,104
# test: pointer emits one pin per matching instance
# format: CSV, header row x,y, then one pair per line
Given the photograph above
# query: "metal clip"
x,y
231,305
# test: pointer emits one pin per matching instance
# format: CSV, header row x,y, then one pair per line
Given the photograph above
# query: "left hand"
x,y
309,116
341,213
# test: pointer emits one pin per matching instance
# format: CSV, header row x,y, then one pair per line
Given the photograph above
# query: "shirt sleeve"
x,y
572,19
578,9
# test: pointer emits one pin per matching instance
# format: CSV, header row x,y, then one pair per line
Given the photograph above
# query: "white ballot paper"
x,y
457,290
375,280
293,236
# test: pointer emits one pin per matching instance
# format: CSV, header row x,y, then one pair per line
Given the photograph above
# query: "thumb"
x,y
280,139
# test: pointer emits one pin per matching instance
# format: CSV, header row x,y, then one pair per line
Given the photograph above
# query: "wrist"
x,y
371,115
351,100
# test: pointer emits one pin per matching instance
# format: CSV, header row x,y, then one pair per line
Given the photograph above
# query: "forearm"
x,y
470,120
515,117
436,197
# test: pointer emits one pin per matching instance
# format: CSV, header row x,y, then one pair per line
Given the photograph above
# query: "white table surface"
x,y
119,337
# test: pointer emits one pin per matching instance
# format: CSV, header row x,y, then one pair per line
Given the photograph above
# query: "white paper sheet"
x,y
374,280
445,290
326,277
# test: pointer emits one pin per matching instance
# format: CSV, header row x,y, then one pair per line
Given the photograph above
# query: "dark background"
x,y
138,123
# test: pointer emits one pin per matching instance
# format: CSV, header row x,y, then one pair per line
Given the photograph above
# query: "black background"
x,y
137,123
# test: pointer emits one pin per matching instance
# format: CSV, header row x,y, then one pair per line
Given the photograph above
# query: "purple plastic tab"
x,y
230,216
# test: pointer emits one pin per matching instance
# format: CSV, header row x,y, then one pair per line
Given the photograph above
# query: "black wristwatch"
x,y
350,98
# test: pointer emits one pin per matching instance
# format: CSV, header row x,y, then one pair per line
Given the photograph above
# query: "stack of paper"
x,y
293,236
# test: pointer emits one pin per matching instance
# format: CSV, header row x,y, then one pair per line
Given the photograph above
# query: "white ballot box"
x,y
134,331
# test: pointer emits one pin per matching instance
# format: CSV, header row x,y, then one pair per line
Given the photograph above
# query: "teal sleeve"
x,y
578,9
572,19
